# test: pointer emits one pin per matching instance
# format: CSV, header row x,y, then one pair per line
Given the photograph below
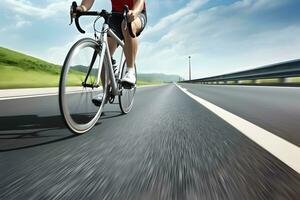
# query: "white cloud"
x,y
171,19
57,54
17,23
23,23
220,40
27,8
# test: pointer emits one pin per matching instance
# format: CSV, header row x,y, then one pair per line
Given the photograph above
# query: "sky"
x,y
221,36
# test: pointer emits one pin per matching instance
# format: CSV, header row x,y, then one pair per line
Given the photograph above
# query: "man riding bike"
x,y
138,18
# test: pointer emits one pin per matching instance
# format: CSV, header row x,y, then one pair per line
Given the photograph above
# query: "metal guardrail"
x,y
275,74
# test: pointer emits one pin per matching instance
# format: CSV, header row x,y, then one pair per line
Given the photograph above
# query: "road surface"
x,y
168,147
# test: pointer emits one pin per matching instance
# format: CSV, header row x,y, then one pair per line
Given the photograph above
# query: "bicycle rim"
x,y
126,98
79,73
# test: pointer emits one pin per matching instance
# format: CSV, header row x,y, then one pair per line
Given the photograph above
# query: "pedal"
x,y
90,85
111,99
127,86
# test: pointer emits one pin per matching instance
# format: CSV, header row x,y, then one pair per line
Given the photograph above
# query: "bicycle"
x,y
82,71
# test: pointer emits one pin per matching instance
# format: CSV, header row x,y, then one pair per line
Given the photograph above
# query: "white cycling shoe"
x,y
129,79
97,100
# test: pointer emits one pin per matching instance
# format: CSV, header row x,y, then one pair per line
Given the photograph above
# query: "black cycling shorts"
x,y
115,23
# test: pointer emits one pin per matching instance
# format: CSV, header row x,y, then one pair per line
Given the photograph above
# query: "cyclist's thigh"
x,y
112,45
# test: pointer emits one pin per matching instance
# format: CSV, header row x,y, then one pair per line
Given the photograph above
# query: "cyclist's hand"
x,y
132,15
78,9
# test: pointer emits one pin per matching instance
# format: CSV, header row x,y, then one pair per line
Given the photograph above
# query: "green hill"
x,y
19,70
81,68
12,58
22,71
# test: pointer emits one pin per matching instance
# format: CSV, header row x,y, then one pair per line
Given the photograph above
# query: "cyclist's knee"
x,y
135,25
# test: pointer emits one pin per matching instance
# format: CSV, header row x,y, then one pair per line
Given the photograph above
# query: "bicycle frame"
x,y
106,54
105,62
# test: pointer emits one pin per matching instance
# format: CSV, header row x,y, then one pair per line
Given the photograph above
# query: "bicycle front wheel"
x,y
78,86
126,96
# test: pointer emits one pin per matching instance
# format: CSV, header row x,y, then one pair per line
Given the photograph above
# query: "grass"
x,y
245,82
16,77
292,80
273,81
18,70
140,83
268,81
25,62
230,82
22,71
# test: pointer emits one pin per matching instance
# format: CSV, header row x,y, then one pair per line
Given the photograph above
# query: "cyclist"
x,y
138,18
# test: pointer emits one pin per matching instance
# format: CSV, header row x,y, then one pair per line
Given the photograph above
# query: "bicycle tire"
x,y
126,97
69,118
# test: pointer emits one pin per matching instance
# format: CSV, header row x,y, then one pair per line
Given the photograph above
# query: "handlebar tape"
x,y
78,25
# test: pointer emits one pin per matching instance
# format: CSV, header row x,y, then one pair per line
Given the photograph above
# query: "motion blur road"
x,y
168,147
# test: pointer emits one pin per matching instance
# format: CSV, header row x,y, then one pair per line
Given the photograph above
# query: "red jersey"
x,y
118,5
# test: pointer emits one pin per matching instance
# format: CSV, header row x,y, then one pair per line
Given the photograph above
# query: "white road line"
x,y
40,93
280,148
26,96
35,95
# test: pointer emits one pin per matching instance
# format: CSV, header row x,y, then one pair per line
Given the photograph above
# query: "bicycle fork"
x,y
84,84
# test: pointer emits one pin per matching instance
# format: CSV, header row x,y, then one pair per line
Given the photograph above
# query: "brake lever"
x,y
126,10
72,11
71,22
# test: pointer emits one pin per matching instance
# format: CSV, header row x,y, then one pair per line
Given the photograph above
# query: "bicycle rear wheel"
x,y
126,97
78,86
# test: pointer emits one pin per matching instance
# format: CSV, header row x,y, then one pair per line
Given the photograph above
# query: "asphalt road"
x,y
276,109
168,147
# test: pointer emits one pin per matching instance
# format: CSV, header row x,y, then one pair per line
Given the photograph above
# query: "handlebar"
x,y
74,6
103,14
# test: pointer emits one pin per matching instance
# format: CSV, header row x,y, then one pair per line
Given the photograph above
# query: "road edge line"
x,y
24,96
27,96
277,146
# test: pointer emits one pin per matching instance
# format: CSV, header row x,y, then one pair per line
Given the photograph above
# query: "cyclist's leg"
x,y
131,44
112,46
115,26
